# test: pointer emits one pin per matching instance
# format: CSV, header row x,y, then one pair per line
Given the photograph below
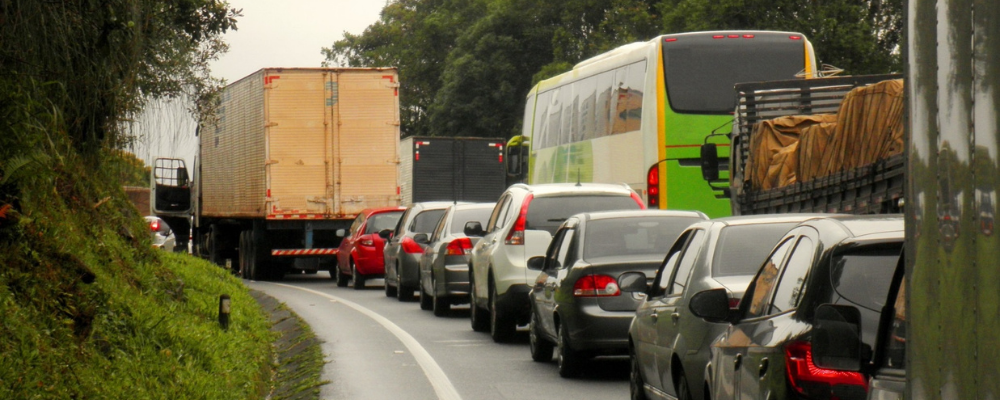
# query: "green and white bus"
x,y
638,114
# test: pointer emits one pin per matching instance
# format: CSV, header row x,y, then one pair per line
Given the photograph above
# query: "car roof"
x,y
769,218
379,210
597,215
871,226
429,205
471,206
552,189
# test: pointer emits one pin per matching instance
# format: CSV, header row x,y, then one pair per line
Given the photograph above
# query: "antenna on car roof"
x,y
578,177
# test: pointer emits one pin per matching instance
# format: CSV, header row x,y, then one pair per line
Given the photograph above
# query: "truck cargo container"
x,y
451,169
290,156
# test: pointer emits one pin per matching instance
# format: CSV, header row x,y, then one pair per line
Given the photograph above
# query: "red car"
x,y
360,254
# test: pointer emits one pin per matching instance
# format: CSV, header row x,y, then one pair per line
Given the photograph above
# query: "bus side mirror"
x,y
513,160
709,162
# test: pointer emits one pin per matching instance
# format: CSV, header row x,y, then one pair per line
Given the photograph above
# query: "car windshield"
x,y
468,215
547,213
426,221
378,222
633,236
742,248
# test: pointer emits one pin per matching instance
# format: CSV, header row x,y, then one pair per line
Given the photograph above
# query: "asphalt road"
x,y
379,348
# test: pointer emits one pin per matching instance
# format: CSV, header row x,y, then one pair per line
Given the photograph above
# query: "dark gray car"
x,y
402,254
668,346
444,267
576,306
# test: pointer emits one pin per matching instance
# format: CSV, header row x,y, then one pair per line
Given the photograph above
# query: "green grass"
x,y
89,310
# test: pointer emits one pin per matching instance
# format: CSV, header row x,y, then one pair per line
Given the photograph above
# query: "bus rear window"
x,y
701,71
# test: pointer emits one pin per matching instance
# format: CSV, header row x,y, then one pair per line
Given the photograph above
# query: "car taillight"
x,y
458,247
653,186
815,382
596,286
516,234
734,302
367,242
638,200
154,225
411,246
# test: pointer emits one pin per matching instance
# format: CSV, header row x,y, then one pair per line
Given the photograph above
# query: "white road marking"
x,y
442,385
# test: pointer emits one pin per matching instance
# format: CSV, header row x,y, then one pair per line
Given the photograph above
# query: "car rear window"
x,y
862,275
546,213
742,248
633,236
382,221
426,221
463,216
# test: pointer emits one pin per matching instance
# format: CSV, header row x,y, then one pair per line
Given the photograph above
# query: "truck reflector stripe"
x,y
303,252
296,216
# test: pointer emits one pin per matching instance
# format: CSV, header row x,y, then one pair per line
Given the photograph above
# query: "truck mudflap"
x,y
303,252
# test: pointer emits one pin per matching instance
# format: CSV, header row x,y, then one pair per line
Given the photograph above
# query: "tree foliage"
x,y
466,66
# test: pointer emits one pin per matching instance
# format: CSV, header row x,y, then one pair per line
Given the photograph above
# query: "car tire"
x,y
636,385
441,305
359,281
541,349
342,278
683,389
390,291
502,326
477,315
403,293
425,300
568,359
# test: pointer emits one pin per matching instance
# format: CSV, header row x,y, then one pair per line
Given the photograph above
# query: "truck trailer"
x,y
290,156
451,169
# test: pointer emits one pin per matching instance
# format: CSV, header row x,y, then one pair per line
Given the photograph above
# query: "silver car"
x,y
402,254
576,307
163,236
668,346
444,267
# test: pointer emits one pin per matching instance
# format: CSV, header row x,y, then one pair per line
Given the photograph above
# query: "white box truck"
x,y
291,156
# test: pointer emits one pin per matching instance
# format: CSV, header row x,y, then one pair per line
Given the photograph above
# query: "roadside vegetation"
x,y
88,309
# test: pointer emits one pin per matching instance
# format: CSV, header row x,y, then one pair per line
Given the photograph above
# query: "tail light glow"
x,y
516,235
796,37
653,186
367,242
411,246
806,378
459,247
596,286
155,225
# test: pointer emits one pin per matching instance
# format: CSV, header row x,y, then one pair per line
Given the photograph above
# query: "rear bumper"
x,y
594,329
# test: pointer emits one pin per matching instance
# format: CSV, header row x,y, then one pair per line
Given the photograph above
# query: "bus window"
x,y
602,115
587,91
635,83
618,94
554,123
568,130
540,117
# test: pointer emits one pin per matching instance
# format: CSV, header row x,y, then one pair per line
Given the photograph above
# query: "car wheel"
x,y
683,390
442,305
425,300
636,386
502,326
403,293
568,359
541,349
477,315
390,291
359,281
342,278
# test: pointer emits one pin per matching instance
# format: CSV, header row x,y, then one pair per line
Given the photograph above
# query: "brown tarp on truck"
x,y
867,127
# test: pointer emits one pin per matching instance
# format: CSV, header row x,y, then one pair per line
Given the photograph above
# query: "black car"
x,y
766,352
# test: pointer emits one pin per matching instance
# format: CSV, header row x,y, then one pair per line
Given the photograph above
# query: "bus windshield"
x,y
701,70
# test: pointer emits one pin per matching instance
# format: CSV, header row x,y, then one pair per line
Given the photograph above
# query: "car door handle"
x,y
763,367
675,316
653,316
737,361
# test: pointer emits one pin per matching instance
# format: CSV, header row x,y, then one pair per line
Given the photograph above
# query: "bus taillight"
x,y
795,37
653,187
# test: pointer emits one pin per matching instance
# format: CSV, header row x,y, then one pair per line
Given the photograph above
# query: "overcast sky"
x,y
270,33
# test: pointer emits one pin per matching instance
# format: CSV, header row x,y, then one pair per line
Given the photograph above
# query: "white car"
x,y
163,236
520,227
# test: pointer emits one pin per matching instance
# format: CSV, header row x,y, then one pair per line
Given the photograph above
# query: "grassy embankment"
x,y
89,310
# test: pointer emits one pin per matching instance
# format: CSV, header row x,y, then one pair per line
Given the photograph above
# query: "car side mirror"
x,y
341,233
836,338
711,305
421,238
385,234
536,263
709,162
633,282
474,228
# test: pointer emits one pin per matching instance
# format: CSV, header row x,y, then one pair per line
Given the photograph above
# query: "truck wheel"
x,y
502,326
359,281
214,252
